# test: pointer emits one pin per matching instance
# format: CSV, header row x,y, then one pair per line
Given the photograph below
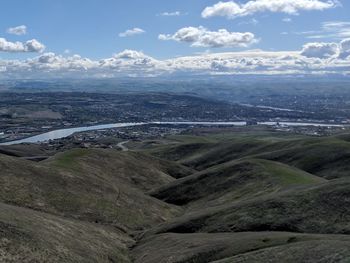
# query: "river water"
x,y
63,133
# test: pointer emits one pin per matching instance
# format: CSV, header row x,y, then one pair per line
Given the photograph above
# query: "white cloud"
x,y
7,46
29,46
314,58
232,9
320,50
202,37
175,13
344,49
336,29
130,54
335,25
50,62
327,50
287,20
34,46
329,30
18,30
130,63
132,32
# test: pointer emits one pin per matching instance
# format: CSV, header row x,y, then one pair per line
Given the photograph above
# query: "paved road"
x,y
122,146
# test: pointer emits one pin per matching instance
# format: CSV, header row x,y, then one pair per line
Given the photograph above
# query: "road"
x,y
122,146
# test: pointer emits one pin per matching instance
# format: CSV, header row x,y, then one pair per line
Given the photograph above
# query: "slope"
x,y
204,247
91,185
30,236
232,181
321,208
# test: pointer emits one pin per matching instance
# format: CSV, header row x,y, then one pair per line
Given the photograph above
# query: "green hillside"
x,y
91,185
233,181
211,197
31,236
321,208
238,247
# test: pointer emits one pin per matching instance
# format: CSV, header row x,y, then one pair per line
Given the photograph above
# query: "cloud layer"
x,y
202,37
29,46
18,30
314,58
233,9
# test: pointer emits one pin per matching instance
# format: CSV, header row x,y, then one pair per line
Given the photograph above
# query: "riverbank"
x,y
63,133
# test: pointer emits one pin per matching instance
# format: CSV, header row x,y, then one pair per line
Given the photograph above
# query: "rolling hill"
x,y
216,197
233,181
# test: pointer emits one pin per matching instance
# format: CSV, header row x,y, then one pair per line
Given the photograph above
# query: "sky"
x,y
109,38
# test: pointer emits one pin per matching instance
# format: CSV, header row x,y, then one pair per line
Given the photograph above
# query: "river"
x,y
63,133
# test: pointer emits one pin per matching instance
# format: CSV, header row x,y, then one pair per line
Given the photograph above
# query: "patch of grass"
x,y
68,159
208,247
234,181
328,158
91,185
288,175
304,210
30,236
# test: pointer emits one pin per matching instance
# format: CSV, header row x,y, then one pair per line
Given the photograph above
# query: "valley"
x,y
175,131
207,194
27,114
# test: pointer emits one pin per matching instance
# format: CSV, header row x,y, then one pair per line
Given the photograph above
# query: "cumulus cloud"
x,y
314,58
344,49
323,50
320,50
132,32
130,63
130,54
18,30
233,9
29,46
7,46
202,37
50,62
33,46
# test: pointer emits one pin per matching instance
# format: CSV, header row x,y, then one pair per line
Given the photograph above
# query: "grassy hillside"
x,y
221,197
23,150
30,236
307,251
233,181
91,185
321,208
326,157
221,149
329,158
245,246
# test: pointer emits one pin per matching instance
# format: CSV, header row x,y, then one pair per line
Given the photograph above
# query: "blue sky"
x,y
91,28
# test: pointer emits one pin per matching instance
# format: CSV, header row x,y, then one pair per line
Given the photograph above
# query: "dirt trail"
x,y
122,146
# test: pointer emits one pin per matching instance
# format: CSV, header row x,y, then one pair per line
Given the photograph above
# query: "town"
x,y
26,114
